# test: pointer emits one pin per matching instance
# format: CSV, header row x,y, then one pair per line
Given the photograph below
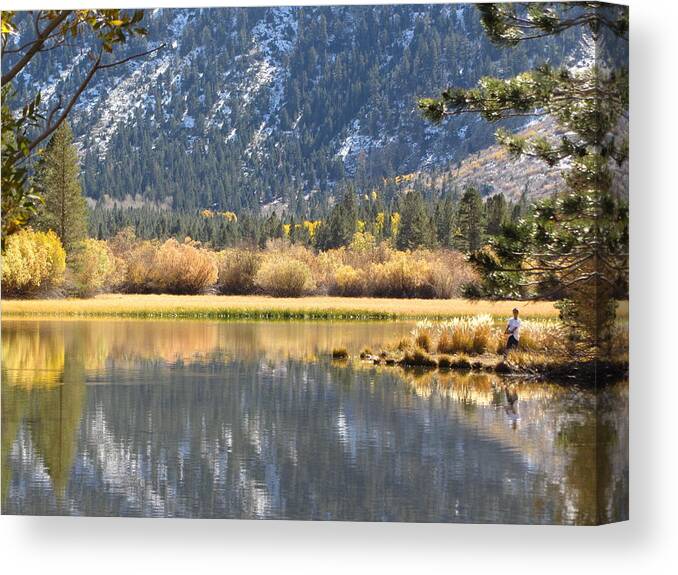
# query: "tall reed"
x,y
471,335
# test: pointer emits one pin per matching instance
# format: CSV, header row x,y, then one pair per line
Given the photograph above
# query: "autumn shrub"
x,y
122,243
237,271
32,262
400,276
183,268
91,267
449,273
284,277
327,264
348,281
282,249
364,251
140,266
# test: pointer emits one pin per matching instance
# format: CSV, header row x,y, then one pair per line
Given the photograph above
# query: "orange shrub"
x,y
140,261
183,268
237,270
348,282
400,276
284,277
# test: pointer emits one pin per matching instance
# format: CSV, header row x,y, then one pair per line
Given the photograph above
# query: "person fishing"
x,y
513,331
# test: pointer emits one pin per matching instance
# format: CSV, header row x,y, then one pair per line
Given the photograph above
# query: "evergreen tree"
x,y
415,225
58,181
470,222
340,225
578,240
444,221
496,211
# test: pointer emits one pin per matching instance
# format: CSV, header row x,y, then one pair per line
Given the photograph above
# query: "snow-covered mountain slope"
x,y
246,108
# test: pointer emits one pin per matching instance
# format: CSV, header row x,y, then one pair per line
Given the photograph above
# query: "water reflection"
x,y
200,419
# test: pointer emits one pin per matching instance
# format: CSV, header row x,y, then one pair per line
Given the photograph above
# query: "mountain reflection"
x,y
251,420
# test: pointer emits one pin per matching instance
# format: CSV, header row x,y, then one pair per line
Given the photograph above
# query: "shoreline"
x,y
589,373
152,306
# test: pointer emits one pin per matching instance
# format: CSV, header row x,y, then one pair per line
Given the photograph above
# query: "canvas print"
x,y
339,262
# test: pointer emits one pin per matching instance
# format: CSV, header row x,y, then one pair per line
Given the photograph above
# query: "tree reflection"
x,y
205,427
43,387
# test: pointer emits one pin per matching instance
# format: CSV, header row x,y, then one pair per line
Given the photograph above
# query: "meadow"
x,y
265,307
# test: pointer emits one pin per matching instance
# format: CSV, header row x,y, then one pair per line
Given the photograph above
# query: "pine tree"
x,y
497,214
579,239
470,222
58,180
340,225
416,229
444,221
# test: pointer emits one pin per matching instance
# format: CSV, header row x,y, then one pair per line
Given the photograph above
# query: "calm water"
x,y
253,420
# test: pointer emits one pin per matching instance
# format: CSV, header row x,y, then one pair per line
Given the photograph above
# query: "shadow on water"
x,y
252,420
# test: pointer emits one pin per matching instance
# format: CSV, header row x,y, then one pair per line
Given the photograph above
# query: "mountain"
x,y
251,108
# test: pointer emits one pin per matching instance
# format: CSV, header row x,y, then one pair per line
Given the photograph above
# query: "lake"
x,y
251,420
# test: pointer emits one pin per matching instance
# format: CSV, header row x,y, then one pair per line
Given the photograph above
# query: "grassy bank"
x,y
477,343
587,372
263,307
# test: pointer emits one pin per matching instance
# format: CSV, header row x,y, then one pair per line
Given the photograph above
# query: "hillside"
x,y
490,170
266,107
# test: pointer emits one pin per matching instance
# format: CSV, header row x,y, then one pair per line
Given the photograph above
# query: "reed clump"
x,y
423,341
339,353
460,362
536,336
418,358
471,335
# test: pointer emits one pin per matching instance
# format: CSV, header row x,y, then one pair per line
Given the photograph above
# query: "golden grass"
x,y
263,307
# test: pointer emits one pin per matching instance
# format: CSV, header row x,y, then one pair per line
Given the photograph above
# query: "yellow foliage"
x,y
404,178
229,216
466,335
32,261
311,227
348,281
400,276
379,223
362,242
284,277
92,266
395,224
